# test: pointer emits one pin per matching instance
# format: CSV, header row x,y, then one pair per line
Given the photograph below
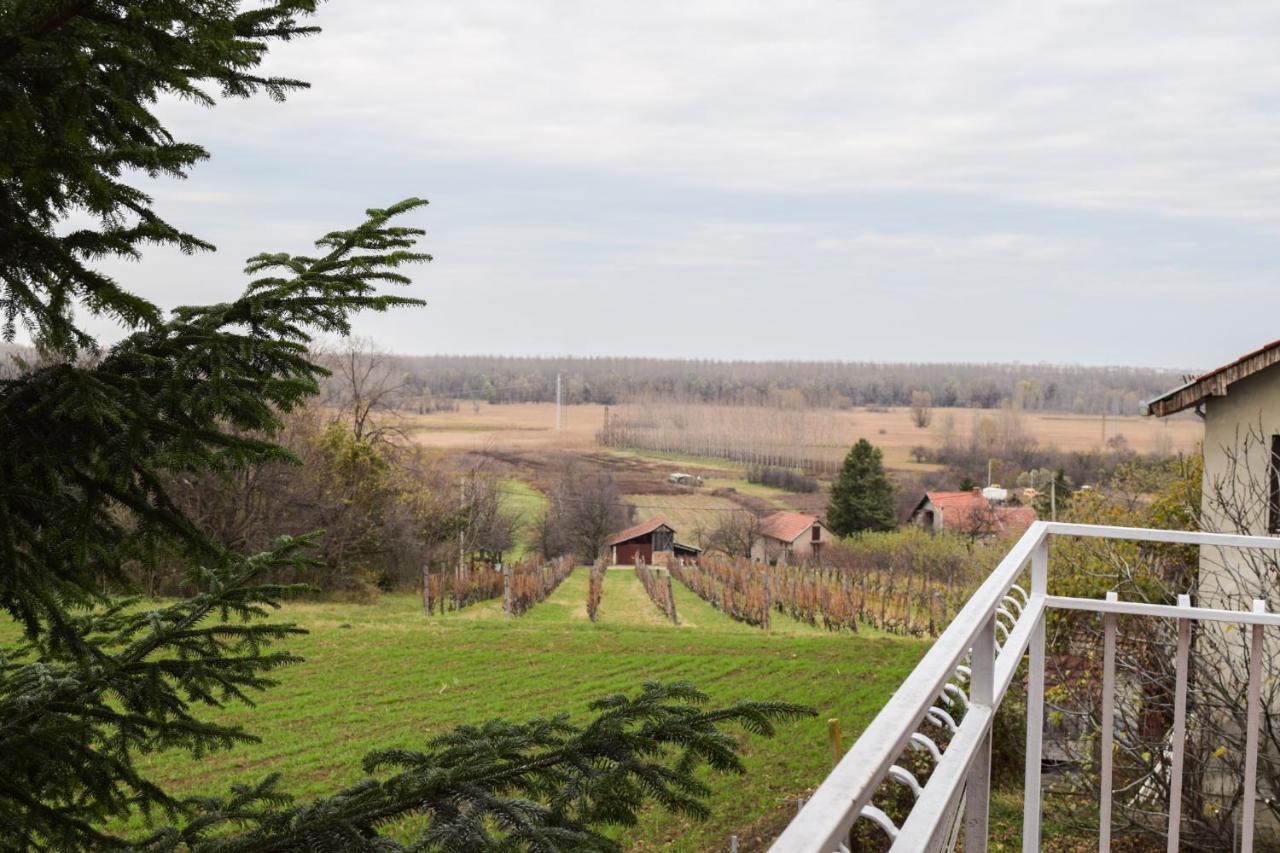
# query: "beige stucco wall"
x,y
801,549
1239,424
921,517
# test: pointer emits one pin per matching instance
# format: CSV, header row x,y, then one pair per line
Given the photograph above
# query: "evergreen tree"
x,y
861,496
1054,496
89,437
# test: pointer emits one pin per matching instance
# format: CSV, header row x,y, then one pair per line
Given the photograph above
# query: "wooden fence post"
x,y
671,596
833,735
506,589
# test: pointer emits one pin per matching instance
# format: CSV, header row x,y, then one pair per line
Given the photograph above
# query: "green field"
x,y
381,675
526,503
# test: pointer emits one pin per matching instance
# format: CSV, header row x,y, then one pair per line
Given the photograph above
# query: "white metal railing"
x,y
970,668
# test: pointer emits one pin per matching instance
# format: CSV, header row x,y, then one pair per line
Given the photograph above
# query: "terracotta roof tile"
x,y
786,526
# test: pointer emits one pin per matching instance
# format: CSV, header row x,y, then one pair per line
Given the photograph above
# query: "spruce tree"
x,y
89,435
861,496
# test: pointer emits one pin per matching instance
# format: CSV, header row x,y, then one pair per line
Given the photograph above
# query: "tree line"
x,y
786,384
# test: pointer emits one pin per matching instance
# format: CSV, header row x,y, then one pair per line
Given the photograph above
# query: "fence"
x,y
944,709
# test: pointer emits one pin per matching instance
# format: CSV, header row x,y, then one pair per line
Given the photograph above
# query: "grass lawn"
x,y
775,496
527,504
382,675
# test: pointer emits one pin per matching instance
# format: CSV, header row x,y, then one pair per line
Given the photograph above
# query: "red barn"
x,y
644,539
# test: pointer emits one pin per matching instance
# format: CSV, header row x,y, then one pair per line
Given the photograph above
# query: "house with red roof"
x,y
790,537
972,514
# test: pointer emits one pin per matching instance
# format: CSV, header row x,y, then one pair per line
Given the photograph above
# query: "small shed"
x,y
650,537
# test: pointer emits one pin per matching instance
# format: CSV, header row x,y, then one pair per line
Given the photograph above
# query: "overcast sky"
x,y
1083,182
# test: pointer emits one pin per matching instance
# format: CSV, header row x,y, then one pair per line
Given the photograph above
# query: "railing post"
x,y
1035,706
1108,725
1251,734
1179,728
977,795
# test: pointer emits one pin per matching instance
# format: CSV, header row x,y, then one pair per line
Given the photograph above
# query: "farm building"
x,y
790,537
971,513
655,536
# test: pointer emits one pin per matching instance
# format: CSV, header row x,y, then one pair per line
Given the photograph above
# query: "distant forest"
x,y
499,379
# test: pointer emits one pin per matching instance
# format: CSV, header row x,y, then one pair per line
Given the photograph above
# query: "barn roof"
x,y
641,529
1215,382
786,526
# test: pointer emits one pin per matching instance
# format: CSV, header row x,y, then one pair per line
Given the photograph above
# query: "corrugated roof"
x,y
1215,382
637,530
786,526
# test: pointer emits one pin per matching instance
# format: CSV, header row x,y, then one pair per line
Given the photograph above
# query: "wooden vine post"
x,y
506,588
671,597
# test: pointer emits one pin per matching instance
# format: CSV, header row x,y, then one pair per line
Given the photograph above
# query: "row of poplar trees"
x,y
89,435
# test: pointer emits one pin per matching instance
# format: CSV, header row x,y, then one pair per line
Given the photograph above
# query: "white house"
x,y
790,537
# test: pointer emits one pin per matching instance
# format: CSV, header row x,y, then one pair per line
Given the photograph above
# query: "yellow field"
x,y
531,426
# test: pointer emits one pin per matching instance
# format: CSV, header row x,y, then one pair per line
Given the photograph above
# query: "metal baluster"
x,y
1108,723
1251,736
978,782
1179,726
1035,707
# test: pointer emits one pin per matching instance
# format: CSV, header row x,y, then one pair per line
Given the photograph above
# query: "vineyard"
x,y
520,586
531,581
658,589
455,590
906,583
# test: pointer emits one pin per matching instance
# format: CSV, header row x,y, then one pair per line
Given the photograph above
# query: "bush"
x,y
782,478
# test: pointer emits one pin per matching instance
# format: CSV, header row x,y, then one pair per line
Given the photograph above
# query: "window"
x,y
817,533
1273,517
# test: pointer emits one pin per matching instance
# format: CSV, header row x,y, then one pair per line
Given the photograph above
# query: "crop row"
x,y
659,589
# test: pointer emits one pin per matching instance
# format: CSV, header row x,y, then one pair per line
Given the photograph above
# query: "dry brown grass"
x,y
531,426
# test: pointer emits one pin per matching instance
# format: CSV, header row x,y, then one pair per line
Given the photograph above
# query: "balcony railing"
x,y
969,669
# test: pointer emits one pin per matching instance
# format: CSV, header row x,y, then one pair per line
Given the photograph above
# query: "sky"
x,y
1069,182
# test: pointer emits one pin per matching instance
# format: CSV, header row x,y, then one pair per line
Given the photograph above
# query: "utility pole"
x,y
557,402
462,531
1053,499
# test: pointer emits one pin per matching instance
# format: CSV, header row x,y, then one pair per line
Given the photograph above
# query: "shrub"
x,y
782,478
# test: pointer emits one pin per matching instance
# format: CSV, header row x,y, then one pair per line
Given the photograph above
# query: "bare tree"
x,y
584,509
921,408
736,534
363,389
1234,498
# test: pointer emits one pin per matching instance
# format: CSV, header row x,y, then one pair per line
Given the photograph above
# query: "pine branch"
x,y
74,715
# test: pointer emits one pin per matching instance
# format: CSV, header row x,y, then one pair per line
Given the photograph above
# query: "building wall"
x,y
928,517
625,553
1238,425
767,549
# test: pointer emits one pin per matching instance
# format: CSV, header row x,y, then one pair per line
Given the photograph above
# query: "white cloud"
x,y
1073,181
1158,106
